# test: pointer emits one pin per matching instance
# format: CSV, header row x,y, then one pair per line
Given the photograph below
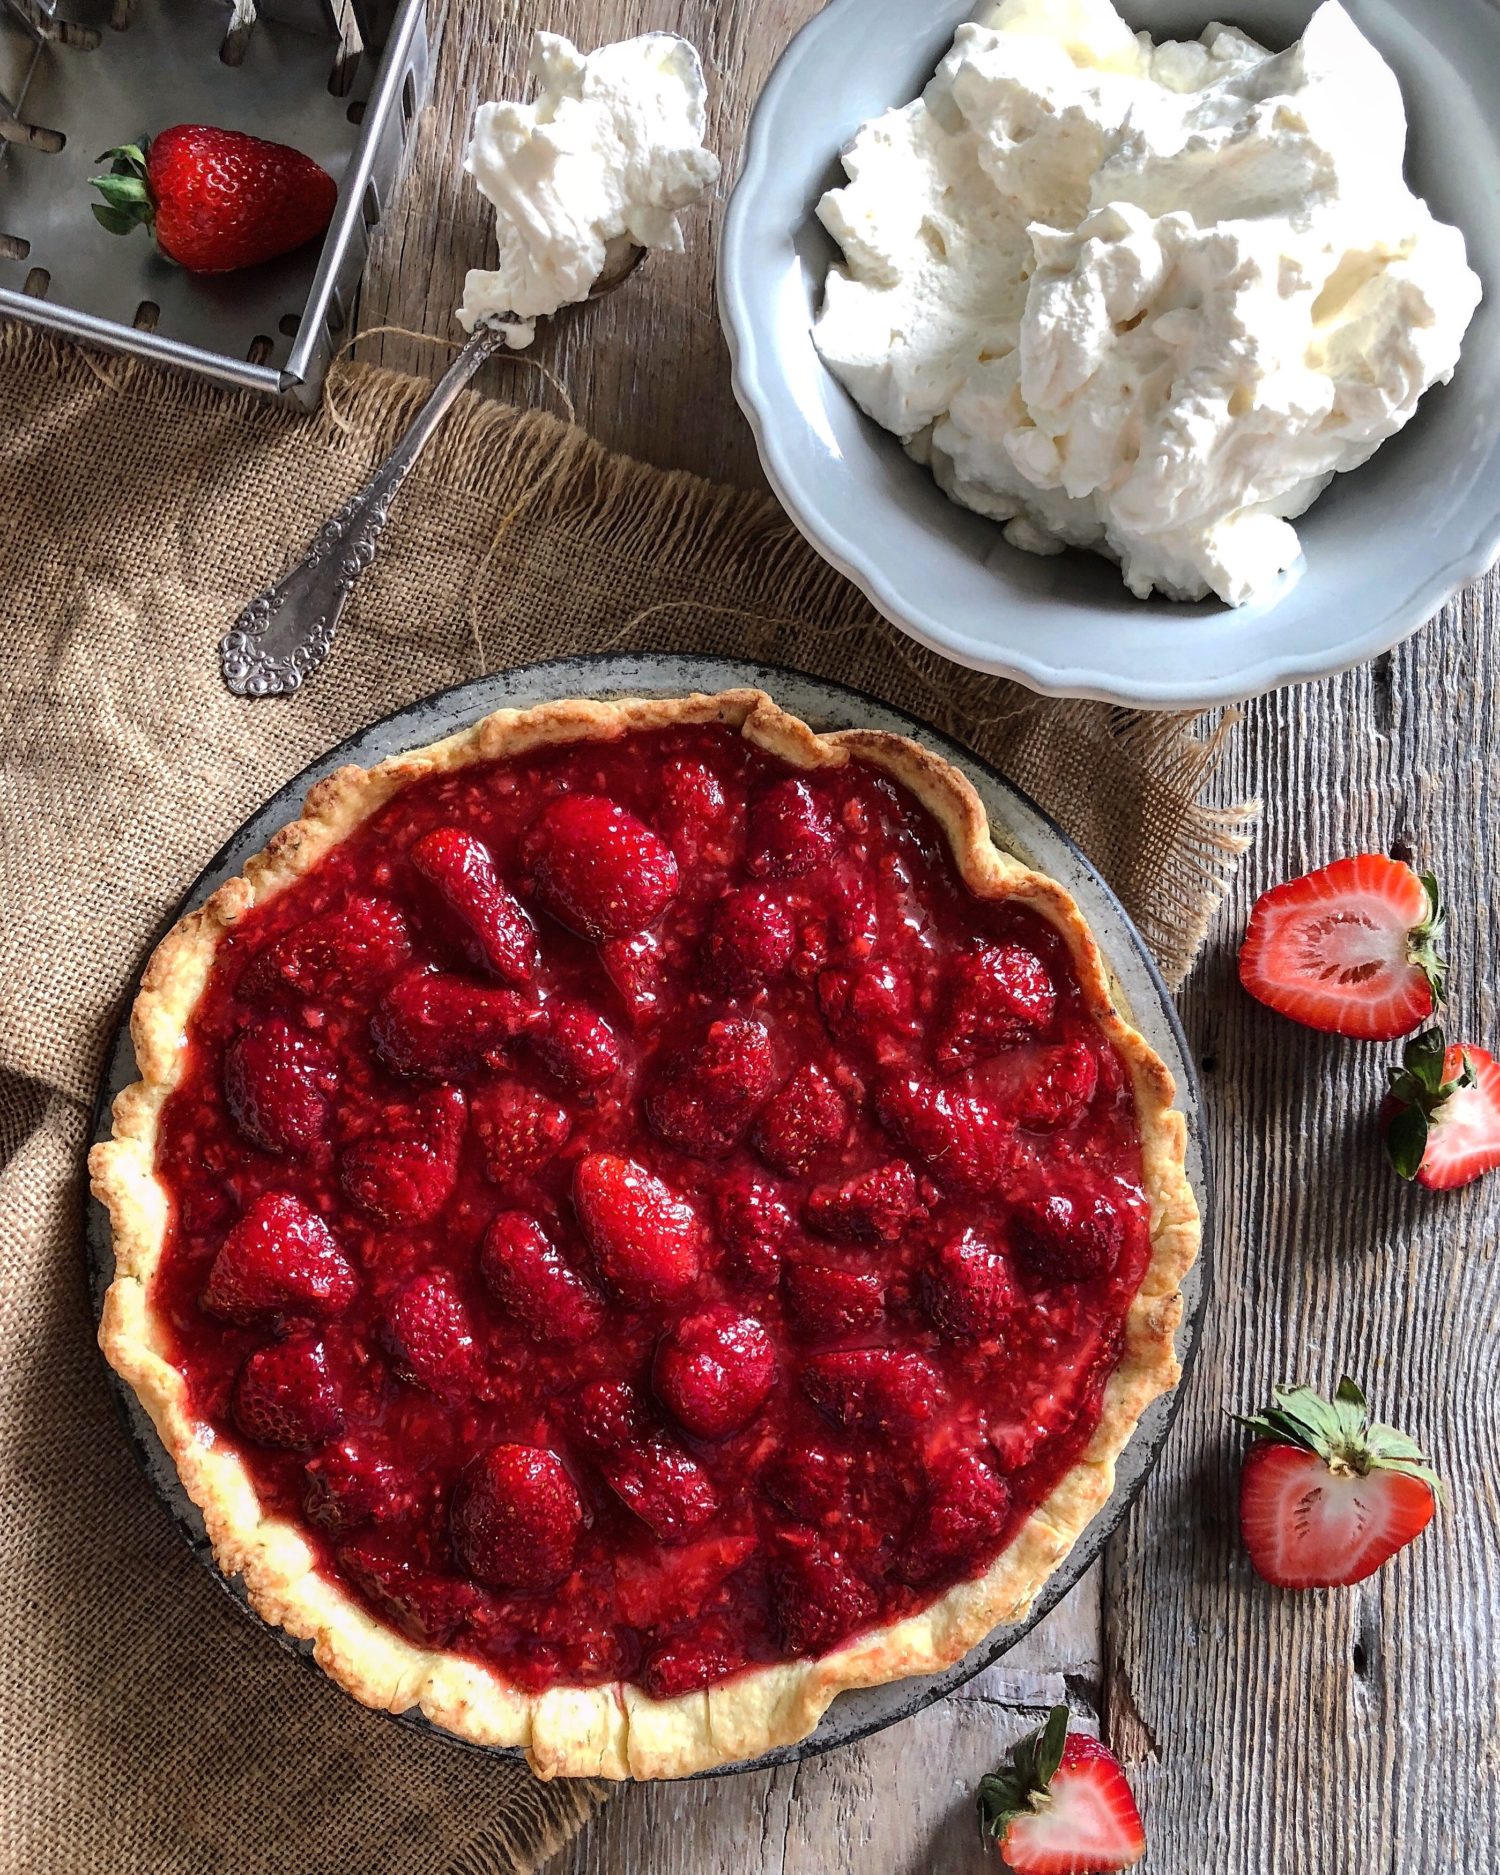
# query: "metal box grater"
x,y
342,80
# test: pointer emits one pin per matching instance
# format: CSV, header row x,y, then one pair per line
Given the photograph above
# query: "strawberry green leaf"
x,y
128,201
1420,1091
1406,1141
1014,1790
1340,1432
121,191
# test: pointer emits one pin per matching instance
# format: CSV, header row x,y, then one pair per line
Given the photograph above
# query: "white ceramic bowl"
x,y
1384,547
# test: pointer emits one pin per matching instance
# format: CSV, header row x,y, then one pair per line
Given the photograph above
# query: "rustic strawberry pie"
x,y
636,1218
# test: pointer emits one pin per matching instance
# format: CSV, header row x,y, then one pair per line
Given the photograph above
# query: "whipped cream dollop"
x,y
1146,299
603,158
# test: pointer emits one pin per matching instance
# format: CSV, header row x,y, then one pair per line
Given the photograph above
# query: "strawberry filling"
x,y
642,1217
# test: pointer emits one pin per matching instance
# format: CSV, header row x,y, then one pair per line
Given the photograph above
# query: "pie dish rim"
x,y
615,1731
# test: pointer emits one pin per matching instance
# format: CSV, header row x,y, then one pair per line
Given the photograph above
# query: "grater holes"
x,y
122,15
351,49
289,325
356,111
260,350
14,247
236,42
369,204
68,33
146,316
408,99
32,136
36,283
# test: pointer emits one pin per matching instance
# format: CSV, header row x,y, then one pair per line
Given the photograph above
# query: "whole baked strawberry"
x,y
516,1517
968,1288
958,1525
690,1660
703,1100
667,1489
403,1171
338,953
749,942
492,930
430,1334
715,1371
878,1204
807,1120
816,1598
279,1259
575,1044
277,1081
518,1129
966,1141
443,1026
996,999
752,1224
285,1395
1063,1086
535,1284
598,869
354,1482
1073,1236
791,831
828,1303
216,200
645,1239
875,1390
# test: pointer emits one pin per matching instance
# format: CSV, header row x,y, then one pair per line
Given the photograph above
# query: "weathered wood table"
x,y
1348,1734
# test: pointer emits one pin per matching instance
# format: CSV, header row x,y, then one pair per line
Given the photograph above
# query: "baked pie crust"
x,y
614,1730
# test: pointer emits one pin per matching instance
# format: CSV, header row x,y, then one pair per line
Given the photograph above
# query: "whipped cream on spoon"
x,y
585,180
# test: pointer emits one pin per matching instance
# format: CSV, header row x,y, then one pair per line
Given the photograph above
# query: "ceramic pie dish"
x,y
596,1320
1384,547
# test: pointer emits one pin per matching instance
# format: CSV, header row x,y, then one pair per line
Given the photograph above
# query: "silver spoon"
x,y
284,634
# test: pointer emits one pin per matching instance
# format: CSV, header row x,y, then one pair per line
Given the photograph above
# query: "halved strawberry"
x,y
1352,948
1441,1118
1061,1806
1325,1495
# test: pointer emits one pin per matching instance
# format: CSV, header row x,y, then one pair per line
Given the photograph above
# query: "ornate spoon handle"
x,y
285,633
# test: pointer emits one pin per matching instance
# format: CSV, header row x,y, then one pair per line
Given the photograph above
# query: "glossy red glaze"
x,y
799,1492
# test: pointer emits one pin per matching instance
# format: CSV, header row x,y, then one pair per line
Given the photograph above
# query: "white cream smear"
x,y
604,157
1146,299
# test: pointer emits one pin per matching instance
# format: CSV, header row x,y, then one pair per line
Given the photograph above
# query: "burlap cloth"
x,y
144,1724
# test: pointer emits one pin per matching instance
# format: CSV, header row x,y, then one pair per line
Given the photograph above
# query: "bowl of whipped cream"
x,y
1128,354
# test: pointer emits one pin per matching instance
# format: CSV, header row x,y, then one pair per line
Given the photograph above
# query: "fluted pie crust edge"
x,y
616,1730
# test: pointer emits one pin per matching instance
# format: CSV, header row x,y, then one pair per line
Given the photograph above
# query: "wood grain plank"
x,y
1317,1734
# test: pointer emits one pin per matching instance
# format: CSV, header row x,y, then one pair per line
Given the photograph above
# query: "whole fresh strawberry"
x,y
1061,1806
1353,948
1326,1496
216,200
1441,1118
